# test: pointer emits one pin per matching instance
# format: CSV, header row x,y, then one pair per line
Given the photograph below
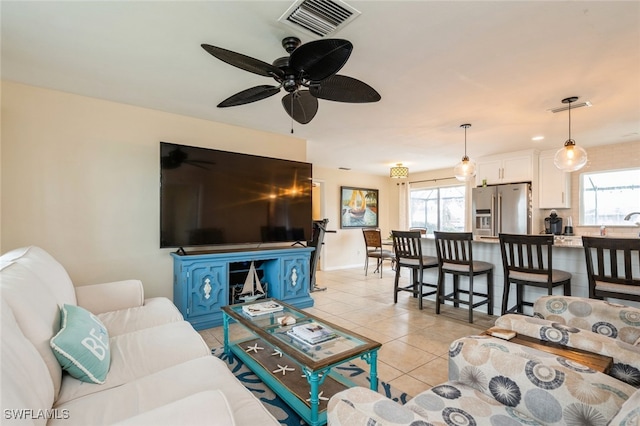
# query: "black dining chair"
x,y
373,248
527,260
408,250
611,269
455,257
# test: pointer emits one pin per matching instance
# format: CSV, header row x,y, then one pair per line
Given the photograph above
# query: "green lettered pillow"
x,y
82,345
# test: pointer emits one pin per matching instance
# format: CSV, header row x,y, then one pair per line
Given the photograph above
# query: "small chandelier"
x,y
571,157
466,169
399,171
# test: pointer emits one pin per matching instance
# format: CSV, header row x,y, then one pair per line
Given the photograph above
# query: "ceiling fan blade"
x,y
321,58
250,95
244,62
301,106
341,88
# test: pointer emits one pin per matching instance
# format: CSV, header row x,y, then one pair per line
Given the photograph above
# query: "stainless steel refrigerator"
x,y
501,209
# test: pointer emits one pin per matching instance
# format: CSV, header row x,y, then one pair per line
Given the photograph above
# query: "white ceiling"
x,y
498,65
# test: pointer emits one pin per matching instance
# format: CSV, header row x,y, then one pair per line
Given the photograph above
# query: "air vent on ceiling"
x,y
319,17
573,106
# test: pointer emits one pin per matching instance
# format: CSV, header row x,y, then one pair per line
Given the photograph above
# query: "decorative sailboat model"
x,y
252,289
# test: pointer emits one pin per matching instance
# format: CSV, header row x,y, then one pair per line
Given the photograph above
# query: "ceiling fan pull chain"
x,y
291,114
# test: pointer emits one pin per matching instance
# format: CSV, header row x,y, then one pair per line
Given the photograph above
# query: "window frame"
x,y
598,220
438,185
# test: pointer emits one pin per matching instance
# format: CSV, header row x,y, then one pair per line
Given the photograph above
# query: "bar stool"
x,y
455,257
527,261
408,249
610,267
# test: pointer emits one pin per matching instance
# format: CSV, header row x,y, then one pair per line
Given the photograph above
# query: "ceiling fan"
x,y
307,74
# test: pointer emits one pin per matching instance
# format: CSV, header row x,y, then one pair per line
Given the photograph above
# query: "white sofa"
x,y
161,371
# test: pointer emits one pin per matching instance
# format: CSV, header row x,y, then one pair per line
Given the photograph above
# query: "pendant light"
x,y
571,157
466,169
399,171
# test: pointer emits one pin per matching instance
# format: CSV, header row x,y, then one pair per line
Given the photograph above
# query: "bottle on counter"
x,y
603,231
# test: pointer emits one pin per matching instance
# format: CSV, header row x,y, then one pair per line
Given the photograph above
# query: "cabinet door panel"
x,y
295,277
517,169
208,289
553,185
489,170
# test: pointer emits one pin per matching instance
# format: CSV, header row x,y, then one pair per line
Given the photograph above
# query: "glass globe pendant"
x,y
571,157
465,170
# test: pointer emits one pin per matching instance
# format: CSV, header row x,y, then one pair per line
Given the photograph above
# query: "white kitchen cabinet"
x,y
506,168
554,185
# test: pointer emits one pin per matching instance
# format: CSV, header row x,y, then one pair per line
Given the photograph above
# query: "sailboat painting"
x,y
252,289
359,207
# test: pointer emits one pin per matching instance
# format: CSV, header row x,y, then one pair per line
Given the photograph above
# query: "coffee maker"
x,y
553,224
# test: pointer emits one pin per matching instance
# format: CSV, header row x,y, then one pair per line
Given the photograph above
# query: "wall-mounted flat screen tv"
x,y
212,197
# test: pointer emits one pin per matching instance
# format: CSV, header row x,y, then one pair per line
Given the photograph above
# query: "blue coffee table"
x,y
297,372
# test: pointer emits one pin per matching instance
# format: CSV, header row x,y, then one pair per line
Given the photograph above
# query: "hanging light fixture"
x,y
399,171
466,169
571,157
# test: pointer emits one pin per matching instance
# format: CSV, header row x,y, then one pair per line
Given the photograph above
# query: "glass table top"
x,y
340,344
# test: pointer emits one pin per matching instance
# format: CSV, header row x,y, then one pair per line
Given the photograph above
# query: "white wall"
x,y
345,248
80,178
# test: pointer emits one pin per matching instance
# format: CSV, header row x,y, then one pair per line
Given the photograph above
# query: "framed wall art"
x,y
358,207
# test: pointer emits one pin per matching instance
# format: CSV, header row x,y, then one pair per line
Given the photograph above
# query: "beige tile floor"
x,y
415,343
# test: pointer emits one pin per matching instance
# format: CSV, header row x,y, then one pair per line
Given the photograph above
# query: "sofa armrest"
x,y
549,389
629,414
113,296
602,317
360,406
626,357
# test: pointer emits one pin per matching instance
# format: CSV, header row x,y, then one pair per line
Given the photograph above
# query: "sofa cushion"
x,y
541,386
140,353
155,311
152,391
25,382
193,410
82,345
603,317
49,271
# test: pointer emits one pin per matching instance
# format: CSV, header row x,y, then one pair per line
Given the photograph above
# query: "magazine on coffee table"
x,y
312,333
262,308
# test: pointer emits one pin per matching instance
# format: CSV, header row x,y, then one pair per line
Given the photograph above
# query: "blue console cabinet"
x,y
203,281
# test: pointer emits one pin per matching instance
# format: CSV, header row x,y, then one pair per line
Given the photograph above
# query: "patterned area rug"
x,y
277,407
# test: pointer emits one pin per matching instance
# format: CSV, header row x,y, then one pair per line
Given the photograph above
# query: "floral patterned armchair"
x,y
589,324
493,381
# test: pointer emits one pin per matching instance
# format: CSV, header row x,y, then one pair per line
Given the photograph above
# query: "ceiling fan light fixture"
x,y
570,157
399,172
465,170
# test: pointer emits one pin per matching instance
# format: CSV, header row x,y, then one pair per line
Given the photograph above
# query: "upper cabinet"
x,y
507,168
554,185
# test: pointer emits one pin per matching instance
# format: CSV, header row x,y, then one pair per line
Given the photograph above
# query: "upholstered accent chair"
x,y
496,382
598,326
